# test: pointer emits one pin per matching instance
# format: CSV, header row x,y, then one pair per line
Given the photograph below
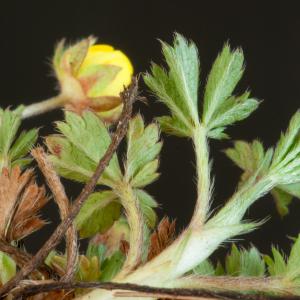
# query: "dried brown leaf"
x,y
20,201
162,237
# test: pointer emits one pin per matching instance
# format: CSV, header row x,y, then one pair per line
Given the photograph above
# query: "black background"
x,y
268,34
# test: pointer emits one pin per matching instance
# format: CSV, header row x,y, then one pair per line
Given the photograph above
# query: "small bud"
x,y
92,77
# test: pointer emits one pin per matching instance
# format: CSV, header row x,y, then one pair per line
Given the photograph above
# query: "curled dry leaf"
x,y
20,201
162,237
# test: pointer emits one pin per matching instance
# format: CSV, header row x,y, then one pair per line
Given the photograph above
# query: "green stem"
x,y
136,225
43,106
203,176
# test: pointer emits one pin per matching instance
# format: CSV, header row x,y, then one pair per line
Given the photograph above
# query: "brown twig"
x,y
21,258
64,205
129,96
29,288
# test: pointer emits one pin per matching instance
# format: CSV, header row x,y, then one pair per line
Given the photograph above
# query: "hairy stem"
x,y
129,96
203,176
136,225
64,205
44,106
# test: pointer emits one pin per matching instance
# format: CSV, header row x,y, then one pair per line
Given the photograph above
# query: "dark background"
x,y
268,34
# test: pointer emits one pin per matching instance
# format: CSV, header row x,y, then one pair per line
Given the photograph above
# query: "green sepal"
x,y
97,77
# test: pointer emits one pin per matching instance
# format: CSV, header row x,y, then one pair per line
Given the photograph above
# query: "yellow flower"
x,y
107,55
92,77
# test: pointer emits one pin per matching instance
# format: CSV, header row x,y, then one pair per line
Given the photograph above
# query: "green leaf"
x,y
293,263
233,262
69,161
146,175
226,72
76,154
276,265
23,144
98,213
249,156
244,262
286,144
282,201
88,269
233,109
147,203
13,148
178,88
173,126
7,268
205,268
10,123
143,147
111,266
184,65
252,263
96,250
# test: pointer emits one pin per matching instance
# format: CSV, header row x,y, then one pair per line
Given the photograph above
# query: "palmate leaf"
x,y
221,108
287,268
234,109
13,148
98,213
143,147
178,87
239,262
226,72
249,156
141,164
76,153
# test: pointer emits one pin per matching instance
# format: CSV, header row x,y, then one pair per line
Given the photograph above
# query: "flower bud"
x,y
92,77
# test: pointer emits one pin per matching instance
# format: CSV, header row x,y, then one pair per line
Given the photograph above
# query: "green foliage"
x,y
221,108
143,147
13,148
98,213
76,153
147,205
7,268
111,266
205,268
239,262
88,269
288,145
177,88
286,268
244,262
283,166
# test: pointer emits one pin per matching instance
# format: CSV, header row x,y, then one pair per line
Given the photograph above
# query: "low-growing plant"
x,y
130,253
